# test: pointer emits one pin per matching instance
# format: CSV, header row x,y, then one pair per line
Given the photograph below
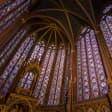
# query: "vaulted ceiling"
x,y
60,21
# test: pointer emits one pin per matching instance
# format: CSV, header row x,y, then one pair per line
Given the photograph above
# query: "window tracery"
x,y
91,78
42,83
26,81
55,91
11,12
10,72
107,9
38,52
9,48
106,28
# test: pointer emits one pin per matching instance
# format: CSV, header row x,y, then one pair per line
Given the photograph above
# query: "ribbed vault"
x,y
60,21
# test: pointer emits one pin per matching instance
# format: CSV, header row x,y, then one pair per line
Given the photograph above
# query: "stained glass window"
x,y
26,81
42,83
10,72
107,9
91,79
38,52
106,28
55,91
4,3
7,51
10,11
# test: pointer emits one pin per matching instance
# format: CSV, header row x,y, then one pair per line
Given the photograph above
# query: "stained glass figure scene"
x,y
10,72
106,28
91,78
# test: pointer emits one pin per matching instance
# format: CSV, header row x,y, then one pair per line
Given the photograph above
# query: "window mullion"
x,y
45,73
89,80
97,78
57,76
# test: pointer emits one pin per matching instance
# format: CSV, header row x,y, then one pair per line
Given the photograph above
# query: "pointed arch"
x,y
91,78
8,48
11,11
25,84
106,27
107,9
20,102
15,64
42,83
54,96
37,52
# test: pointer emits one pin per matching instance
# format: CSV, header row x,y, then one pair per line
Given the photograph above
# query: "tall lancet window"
x,y
10,47
10,11
4,3
42,83
26,83
38,52
106,28
10,72
55,91
91,78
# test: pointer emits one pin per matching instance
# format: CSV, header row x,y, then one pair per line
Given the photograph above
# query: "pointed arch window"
x,y
7,51
91,78
26,81
10,72
107,9
10,11
38,52
106,28
42,83
55,91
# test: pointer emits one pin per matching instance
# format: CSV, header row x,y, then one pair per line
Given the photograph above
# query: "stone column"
x,y
72,81
106,60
